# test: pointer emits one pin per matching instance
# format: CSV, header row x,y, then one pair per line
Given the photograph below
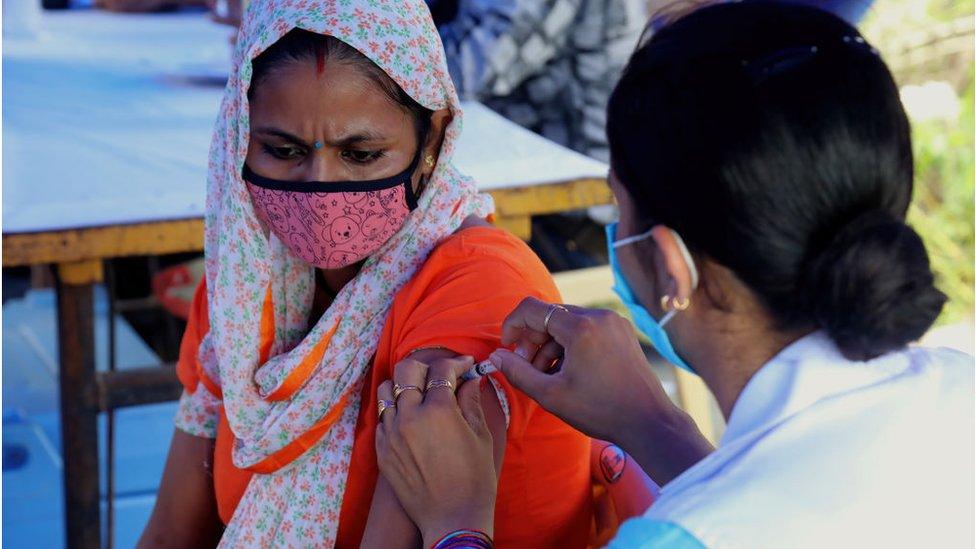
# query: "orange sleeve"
x,y
470,286
477,279
197,326
463,294
198,412
458,300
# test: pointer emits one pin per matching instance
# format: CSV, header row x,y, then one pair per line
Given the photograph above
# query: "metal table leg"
x,y
79,402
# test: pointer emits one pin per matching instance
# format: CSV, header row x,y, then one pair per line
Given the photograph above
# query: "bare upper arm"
x,y
185,513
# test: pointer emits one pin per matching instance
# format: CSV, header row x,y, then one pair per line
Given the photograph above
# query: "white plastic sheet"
x,y
107,120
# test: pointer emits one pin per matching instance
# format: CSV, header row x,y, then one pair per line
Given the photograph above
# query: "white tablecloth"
x,y
107,120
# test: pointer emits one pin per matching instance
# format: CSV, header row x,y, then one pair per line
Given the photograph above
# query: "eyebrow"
x,y
344,141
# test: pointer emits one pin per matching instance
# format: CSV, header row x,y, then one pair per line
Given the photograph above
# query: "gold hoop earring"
x,y
429,160
677,303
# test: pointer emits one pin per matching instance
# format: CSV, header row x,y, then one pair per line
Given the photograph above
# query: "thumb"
x,y
459,365
523,375
469,400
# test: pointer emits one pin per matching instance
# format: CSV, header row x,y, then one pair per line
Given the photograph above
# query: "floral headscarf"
x,y
290,393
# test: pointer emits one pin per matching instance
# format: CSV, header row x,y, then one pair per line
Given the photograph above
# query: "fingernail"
x,y
495,358
522,352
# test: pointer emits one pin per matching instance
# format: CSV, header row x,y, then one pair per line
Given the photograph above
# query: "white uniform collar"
x,y
809,369
820,451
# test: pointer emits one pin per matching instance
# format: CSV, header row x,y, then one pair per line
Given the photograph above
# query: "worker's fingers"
x,y
537,322
543,388
547,355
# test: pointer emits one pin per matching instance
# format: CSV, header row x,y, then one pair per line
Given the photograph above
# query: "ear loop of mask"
x,y
685,254
414,196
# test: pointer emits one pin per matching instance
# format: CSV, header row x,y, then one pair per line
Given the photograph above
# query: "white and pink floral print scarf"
x,y
291,391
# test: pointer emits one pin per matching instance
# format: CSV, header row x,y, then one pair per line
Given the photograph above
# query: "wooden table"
x,y
106,129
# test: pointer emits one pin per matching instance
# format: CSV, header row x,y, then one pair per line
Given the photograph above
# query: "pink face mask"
x,y
333,225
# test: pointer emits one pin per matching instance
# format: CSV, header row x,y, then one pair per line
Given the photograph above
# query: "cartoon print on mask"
x,y
302,245
386,200
342,258
356,197
302,210
374,226
331,229
343,230
276,214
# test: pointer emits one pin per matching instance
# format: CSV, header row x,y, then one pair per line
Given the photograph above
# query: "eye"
x,y
285,152
362,157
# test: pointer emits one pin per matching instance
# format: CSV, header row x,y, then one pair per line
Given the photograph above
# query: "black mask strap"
x,y
402,178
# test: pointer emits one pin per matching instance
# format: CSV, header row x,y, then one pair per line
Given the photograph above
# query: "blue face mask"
x,y
653,329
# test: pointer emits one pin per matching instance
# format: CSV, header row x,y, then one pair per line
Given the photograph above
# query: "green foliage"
x,y
947,10
942,209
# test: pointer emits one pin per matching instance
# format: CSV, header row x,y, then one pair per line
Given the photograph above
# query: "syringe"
x,y
480,369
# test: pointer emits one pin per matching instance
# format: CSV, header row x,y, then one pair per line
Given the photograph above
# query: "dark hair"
x,y
772,138
302,45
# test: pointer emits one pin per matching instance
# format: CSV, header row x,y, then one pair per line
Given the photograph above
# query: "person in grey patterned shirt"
x,y
548,65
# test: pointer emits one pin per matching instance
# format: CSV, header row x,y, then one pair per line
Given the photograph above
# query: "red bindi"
x,y
319,61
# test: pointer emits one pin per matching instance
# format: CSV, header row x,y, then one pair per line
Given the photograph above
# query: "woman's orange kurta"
x,y
457,300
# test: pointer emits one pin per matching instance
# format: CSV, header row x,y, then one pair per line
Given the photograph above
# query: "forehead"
x,y
333,93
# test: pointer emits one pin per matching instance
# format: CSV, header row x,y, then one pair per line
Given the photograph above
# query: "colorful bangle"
x,y
464,539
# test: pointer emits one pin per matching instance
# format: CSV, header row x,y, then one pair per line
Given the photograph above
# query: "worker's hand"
x,y
586,366
435,449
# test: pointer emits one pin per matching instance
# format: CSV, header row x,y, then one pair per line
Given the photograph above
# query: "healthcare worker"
x,y
763,166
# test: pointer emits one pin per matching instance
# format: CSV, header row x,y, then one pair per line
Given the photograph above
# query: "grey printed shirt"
x,y
548,65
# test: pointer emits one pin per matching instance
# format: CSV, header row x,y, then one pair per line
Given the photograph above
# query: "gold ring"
x,y
383,405
440,384
399,389
552,308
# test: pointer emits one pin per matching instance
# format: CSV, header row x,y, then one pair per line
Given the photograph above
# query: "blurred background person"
x,y
548,65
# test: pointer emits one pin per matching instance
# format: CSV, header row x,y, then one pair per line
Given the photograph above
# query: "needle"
x,y
480,369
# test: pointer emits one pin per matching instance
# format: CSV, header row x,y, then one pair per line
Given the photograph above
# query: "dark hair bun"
x,y
761,132
872,289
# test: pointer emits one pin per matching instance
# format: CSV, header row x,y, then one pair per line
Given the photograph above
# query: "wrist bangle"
x,y
464,539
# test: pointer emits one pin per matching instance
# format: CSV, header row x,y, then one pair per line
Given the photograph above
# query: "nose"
x,y
324,165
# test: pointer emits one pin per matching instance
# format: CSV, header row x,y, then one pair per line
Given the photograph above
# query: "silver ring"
x,y
400,389
439,384
383,405
552,309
